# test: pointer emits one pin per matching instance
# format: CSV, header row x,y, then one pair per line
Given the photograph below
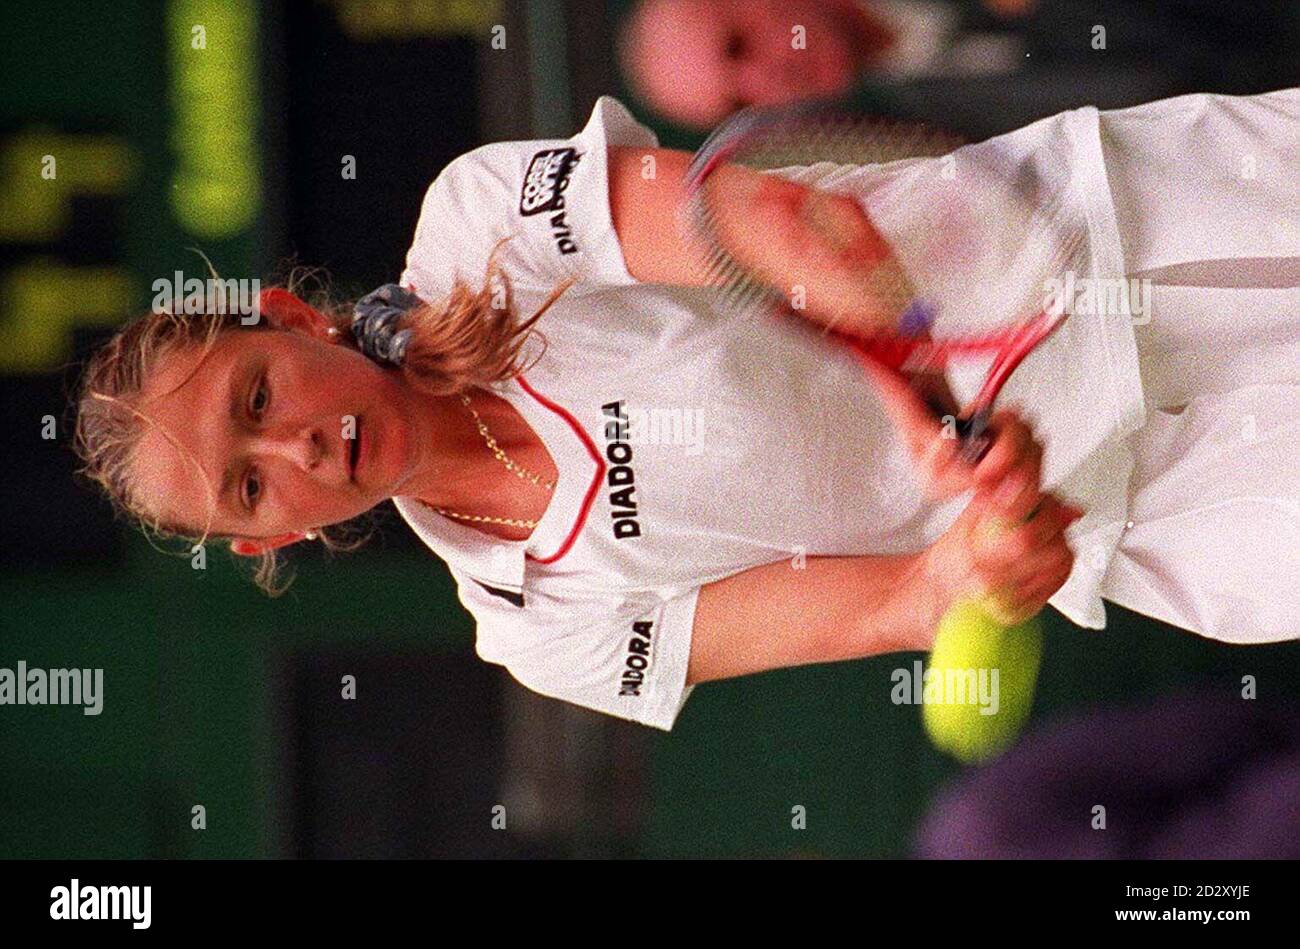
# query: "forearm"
x,y
837,269
819,609
897,603
819,249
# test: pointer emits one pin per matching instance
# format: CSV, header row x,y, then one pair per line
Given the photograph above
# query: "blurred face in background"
x,y
697,61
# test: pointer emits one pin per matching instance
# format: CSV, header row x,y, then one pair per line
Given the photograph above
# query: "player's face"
x,y
699,61
268,414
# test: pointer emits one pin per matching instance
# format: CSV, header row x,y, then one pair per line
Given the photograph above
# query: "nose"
x,y
300,445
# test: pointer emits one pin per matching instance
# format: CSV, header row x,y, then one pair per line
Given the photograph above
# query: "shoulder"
x,y
530,177
548,196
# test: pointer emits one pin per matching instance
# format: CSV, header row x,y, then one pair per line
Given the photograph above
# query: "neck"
x,y
459,472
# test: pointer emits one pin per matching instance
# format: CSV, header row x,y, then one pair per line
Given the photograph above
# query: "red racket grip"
x,y
901,353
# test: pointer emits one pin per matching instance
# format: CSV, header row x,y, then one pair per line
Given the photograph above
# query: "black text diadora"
x,y
620,477
637,658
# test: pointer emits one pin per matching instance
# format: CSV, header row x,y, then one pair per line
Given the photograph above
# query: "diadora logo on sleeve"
x,y
621,479
543,193
637,659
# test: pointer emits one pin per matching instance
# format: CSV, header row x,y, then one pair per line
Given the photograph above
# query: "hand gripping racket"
x,y
978,233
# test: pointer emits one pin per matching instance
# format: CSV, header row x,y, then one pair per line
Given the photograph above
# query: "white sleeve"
x,y
550,197
625,655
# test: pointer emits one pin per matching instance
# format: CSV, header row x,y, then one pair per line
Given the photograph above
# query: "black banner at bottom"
x,y
330,898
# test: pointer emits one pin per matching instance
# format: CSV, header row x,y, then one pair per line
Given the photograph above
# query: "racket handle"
x,y
975,435
973,431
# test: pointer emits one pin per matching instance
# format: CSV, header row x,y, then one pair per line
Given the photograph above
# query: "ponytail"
x,y
470,337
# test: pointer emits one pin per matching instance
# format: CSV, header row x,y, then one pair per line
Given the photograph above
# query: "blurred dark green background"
x,y
198,676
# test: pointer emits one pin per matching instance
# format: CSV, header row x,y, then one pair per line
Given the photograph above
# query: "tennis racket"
x,y
977,234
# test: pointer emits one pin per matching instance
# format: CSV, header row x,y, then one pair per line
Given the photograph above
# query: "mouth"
x,y
354,452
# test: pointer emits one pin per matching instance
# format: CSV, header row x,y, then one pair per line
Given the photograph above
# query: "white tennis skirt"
x,y
1207,198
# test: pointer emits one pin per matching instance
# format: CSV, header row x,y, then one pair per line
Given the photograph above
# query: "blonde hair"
x,y
469,338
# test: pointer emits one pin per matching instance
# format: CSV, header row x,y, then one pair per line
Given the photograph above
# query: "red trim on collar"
x,y
592,489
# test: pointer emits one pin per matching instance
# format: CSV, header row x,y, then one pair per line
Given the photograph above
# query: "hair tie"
x,y
374,323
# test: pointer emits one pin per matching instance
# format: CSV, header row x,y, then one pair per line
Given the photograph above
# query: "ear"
x,y
255,547
285,311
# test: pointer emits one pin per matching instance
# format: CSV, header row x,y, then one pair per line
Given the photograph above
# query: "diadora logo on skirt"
x,y
543,192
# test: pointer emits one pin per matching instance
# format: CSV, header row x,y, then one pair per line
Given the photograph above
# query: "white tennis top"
x,y
693,444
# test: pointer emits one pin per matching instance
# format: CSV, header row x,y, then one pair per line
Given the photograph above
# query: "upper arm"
x,y
645,198
786,233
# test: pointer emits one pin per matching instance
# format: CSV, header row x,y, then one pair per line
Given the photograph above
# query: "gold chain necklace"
x,y
501,456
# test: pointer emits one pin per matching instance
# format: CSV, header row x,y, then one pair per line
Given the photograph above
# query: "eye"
x,y
736,47
252,488
260,399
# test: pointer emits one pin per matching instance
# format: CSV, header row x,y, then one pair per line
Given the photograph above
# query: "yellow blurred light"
x,y
370,20
36,208
216,187
42,300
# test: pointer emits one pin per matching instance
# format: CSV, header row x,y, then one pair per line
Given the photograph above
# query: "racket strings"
x,y
774,144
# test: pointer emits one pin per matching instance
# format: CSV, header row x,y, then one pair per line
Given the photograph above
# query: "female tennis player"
x,y
637,491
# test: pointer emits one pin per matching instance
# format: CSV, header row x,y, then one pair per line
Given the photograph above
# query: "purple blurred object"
x,y
1201,776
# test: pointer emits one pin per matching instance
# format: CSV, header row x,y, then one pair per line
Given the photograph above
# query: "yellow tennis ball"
x,y
981,677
